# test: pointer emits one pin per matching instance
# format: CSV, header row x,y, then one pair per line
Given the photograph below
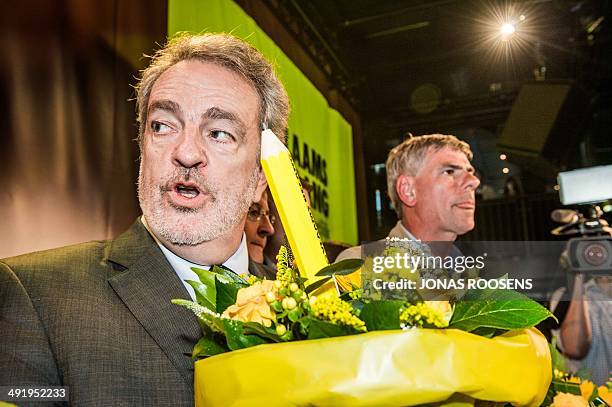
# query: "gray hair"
x,y
408,157
228,52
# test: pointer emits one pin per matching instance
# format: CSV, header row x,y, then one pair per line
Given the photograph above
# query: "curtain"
x,y
68,159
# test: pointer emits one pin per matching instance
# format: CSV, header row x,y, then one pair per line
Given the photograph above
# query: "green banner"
x,y
320,140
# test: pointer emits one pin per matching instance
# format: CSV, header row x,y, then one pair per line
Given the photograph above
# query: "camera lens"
x,y
595,254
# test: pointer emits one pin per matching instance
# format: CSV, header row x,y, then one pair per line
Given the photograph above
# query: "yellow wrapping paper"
x,y
383,368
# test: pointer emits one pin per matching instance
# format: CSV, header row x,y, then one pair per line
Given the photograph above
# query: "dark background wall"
x,y
68,162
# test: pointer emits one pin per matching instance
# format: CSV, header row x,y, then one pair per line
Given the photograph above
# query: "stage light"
x,y
506,32
502,156
505,170
507,29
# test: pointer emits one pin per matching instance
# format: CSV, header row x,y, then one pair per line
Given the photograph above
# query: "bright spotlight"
x,y
502,156
505,170
507,29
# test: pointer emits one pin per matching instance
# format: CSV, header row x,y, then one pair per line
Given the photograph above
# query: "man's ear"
x,y
405,187
262,184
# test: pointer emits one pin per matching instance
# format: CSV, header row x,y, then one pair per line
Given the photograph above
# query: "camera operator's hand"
x,y
576,332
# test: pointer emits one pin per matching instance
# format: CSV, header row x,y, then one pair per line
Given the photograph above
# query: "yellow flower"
x,y
605,394
436,313
249,278
336,311
284,273
586,389
568,400
443,308
251,304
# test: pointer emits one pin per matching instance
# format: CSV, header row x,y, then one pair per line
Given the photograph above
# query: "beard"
x,y
223,209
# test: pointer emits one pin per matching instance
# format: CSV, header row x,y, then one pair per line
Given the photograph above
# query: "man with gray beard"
x,y
97,317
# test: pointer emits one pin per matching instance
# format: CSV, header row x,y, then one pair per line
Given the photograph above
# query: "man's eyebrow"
x,y
457,167
167,105
216,113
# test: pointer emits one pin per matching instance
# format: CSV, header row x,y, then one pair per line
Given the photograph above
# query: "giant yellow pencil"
x,y
297,220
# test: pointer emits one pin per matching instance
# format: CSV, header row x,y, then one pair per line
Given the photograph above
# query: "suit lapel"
x,y
146,286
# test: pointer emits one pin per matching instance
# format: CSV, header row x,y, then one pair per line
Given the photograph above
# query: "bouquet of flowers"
x,y
277,343
573,391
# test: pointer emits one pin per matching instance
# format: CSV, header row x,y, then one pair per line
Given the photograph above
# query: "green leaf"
x,y
236,337
190,305
228,275
203,275
259,329
559,361
321,329
486,331
300,281
381,315
207,346
341,268
598,402
277,306
357,306
205,291
226,293
500,309
206,325
316,285
198,309
207,319
233,330
294,315
566,387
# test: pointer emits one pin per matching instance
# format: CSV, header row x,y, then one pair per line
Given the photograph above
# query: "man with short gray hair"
x,y
97,317
432,186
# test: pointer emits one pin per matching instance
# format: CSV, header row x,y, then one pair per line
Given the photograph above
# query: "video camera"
x,y
591,251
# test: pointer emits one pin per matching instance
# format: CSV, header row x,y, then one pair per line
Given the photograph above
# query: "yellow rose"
x,y
568,400
443,308
605,394
251,304
586,389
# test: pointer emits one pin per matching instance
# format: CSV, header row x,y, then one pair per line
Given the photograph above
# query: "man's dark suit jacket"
x,y
97,317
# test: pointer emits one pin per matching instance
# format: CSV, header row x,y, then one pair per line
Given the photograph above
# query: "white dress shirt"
x,y
237,262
